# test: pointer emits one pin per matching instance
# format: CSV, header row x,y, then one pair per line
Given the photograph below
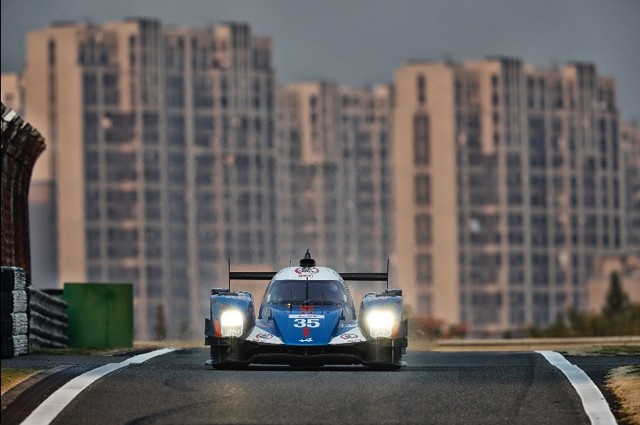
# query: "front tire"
x,y
230,365
384,366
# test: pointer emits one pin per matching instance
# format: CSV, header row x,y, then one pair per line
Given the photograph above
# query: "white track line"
x,y
594,403
47,411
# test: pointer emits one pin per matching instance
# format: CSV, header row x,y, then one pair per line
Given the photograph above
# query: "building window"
x,y
424,304
89,89
423,190
423,229
421,146
52,52
424,270
421,89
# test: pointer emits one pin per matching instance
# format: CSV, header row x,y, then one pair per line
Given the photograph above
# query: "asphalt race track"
x,y
435,388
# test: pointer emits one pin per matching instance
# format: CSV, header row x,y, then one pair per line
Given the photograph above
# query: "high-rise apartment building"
x,y
630,141
310,119
366,130
163,158
11,91
508,186
338,146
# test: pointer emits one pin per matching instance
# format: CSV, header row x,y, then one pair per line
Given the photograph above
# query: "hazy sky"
x,y
359,42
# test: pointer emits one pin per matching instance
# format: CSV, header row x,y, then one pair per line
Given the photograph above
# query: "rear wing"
x,y
361,277
251,275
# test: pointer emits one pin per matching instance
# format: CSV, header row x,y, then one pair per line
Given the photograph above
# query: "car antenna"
x,y
306,291
291,302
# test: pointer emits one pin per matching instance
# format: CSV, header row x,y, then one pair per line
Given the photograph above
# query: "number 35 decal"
x,y
306,323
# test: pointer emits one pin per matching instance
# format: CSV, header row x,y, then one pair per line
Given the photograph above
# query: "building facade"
x,y
163,158
338,143
508,185
630,145
12,91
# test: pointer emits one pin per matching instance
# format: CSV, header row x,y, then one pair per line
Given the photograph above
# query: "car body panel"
x,y
306,326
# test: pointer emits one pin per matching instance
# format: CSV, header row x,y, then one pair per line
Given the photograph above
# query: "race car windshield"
x,y
309,292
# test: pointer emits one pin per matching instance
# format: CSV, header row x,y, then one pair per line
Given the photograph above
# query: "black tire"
x,y
384,366
14,302
6,302
12,323
230,366
6,347
13,278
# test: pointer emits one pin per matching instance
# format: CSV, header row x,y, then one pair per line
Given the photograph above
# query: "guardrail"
x,y
48,321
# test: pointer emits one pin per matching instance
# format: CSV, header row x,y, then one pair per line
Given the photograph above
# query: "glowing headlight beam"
x,y
380,323
231,323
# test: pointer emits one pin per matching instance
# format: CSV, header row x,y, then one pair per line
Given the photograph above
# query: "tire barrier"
x,y
13,279
14,316
16,300
20,147
14,346
14,324
31,318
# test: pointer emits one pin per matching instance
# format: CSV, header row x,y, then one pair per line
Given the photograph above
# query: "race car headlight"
x,y
380,323
231,322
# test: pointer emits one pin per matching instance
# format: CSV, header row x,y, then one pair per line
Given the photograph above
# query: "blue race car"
x,y
307,317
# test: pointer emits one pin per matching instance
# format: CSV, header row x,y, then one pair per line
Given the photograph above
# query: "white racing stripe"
x,y
593,401
47,411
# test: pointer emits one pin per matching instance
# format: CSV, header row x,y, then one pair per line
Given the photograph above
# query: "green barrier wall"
x,y
100,314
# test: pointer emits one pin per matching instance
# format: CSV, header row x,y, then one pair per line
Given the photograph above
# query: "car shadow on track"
x,y
287,368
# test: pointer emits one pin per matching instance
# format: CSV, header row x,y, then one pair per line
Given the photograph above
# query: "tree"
x,y
161,326
617,300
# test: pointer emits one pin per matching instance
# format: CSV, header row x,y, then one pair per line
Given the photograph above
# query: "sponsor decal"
x,y
306,316
264,336
306,340
307,270
349,336
306,323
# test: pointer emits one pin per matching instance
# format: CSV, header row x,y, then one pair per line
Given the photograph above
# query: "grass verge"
x,y
79,351
12,376
622,346
101,351
604,350
624,382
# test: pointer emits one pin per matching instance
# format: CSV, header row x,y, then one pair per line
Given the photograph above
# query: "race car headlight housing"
x,y
380,323
231,323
